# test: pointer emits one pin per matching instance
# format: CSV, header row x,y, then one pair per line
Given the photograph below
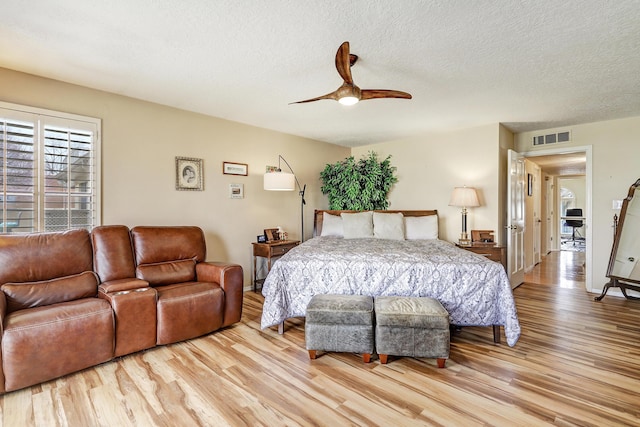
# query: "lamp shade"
x,y
464,197
279,181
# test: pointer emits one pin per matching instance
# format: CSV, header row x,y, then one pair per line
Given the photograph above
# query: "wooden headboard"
x,y
318,214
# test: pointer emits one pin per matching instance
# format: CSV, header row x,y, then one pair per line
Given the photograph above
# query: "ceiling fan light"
x,y
348,100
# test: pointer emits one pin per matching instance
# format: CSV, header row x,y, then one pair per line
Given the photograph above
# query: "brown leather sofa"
x,y
74,299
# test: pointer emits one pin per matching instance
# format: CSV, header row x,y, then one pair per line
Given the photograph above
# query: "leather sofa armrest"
x,y
230,277
3,311
121,285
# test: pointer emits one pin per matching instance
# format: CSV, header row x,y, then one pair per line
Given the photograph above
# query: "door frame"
x,y
550,216
588,150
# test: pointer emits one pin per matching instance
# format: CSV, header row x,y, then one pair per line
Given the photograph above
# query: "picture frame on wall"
x,y
189,174
231,168
236,191
529,184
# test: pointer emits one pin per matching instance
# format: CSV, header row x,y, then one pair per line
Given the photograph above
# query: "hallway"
x,y
564,269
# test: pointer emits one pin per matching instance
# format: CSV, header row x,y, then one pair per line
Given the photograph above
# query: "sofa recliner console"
x,y
74,299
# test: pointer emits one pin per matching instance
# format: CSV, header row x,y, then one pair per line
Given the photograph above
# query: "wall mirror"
x,y
624,264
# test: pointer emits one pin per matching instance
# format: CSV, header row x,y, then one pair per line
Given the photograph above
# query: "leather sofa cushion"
x,y
167,273
47,292
188,310
44,256
161,244
121,285
112,252
47,342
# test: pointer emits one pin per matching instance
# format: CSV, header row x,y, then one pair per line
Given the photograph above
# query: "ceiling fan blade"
x,y
381,93
333,95
343,63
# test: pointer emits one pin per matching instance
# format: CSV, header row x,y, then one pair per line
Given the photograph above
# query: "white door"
x,y
549,217
515,220
537,222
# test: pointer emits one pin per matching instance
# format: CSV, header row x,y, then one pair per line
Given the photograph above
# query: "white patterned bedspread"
x,y
474,290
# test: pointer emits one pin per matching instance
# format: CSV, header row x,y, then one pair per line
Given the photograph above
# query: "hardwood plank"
x,y
577,363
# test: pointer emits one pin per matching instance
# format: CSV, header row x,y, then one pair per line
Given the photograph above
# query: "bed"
x,y
474,290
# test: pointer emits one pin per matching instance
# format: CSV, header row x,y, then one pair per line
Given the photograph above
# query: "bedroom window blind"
x,y
49,170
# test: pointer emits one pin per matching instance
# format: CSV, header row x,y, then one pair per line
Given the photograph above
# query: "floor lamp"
x,y
464,197
284,181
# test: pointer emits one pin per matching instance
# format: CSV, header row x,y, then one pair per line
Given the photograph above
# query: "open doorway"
x,y
568,169
571,194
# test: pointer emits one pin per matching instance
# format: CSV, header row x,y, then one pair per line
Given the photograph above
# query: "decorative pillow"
x,y
357,225
388,226
421,227
47,292
331,225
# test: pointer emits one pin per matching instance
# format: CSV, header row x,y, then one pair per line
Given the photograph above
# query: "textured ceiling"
x,y
562,164
528,64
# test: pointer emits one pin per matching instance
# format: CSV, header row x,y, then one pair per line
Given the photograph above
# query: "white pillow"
x,y
331,225
388,226
421,227
357,225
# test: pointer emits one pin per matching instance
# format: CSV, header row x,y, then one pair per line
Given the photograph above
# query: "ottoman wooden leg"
x,y
383,358
441,362
312,354
366,357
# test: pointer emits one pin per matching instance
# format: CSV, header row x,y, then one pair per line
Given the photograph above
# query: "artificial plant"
x,y
358,185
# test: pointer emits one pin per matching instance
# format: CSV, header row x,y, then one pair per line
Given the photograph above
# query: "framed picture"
x,y
482,236
189,174
236,191
272,234
529,184
230,168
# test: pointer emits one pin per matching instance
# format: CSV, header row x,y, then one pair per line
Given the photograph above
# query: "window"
x,y
567,201
49,170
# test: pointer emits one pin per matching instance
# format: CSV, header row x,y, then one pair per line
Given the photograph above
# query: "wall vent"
x,y
552,138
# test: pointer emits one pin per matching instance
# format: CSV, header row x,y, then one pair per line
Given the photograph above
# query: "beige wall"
x,y
547,206
140,141
431,165
577,185
615,166
532,215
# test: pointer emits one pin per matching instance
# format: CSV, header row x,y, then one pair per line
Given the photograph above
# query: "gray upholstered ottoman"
x,y
340,323
411,326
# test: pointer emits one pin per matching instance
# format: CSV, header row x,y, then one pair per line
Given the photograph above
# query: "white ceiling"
x,y
528,64
562,164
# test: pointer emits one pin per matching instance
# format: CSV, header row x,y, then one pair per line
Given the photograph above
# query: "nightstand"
x,y
269,250
493,252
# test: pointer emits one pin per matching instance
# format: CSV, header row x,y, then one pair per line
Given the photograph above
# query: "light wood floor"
x,y
576,363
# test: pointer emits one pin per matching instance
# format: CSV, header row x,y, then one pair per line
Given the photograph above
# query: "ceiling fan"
x,y
349,93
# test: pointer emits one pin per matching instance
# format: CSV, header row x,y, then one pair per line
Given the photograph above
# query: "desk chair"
x,y
574,223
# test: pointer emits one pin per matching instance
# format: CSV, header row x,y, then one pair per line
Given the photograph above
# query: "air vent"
x,y
552,138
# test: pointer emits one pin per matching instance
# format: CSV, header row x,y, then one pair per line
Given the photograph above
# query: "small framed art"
x,y
230,168
189,174
236,191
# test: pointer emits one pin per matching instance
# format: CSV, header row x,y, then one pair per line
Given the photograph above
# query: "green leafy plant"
x,y
358,185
